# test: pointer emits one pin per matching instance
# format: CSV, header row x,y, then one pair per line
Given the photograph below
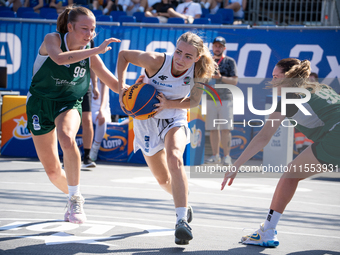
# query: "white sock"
x,y
181,212
73,190
273,218
105,11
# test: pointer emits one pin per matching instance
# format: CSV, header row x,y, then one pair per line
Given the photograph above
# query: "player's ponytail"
x,y
296,74
70,15
62,20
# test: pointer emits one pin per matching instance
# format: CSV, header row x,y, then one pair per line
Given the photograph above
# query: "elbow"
x,y
194,103
121,54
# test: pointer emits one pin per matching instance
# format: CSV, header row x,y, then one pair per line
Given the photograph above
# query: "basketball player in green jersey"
x,y
61,77
322,126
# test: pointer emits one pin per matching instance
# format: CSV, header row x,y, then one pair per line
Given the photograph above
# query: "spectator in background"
x,y
101,115
188,11
212,5
238,6
15,4
110,5
136,6
60,5
313,77
35,4
152,2
226,73
161,10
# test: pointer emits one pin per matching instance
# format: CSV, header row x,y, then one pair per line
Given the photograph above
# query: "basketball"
x,y
139,101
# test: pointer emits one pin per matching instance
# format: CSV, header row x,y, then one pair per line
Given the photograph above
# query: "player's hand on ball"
x,y
140,79
162,103
121,93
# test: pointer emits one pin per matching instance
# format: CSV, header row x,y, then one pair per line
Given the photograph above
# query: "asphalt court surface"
x,y
128,213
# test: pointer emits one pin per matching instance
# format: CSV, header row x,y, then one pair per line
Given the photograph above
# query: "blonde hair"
x,y
70,15
205,66
297,74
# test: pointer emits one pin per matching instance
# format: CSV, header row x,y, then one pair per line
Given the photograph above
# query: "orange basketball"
x,y
139,101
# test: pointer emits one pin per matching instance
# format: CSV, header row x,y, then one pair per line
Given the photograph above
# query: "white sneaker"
x,y
94,151
266,238
227,161
214,159
75,212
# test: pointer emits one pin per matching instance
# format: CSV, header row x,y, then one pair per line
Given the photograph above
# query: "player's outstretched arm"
x,y
103,73
51,47
256,144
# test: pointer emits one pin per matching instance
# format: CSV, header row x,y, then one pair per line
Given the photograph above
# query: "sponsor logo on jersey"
x,y
147,143
186,81
59,82
163,77
68,66
36,124
82,62
161,84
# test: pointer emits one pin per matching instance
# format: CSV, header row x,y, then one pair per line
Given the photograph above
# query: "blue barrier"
x,y
256,50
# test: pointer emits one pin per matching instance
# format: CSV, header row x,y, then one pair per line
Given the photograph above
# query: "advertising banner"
x,y
16,140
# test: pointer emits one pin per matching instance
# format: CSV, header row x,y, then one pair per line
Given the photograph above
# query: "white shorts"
x,y
224,111
150,133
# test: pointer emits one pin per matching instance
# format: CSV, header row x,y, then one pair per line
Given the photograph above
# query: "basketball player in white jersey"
x,y
163,137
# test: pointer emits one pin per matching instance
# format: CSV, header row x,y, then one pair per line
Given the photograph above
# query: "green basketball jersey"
x,y
324,106
60,82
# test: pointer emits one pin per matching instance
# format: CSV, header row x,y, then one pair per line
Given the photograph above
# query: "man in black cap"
x,y
226,73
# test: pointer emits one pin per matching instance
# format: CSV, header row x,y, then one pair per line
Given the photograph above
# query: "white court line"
x,y
143,168
202,193
139,219
146,168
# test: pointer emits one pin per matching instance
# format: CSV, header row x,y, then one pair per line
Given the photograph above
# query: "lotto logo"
x,y
10,52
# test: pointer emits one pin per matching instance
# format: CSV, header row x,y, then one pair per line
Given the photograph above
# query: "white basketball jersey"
x,y
173,87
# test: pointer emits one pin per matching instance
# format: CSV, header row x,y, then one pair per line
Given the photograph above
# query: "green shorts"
x,y
327,149
41,113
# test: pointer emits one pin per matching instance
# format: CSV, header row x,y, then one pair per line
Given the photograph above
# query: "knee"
x,y
175,160
225,132
164,180
67,142
53,173
170,11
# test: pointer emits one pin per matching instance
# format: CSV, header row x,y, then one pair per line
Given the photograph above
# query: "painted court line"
x,y
139,219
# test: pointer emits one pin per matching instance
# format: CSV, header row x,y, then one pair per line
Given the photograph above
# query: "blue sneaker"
x,y
261,237
183,232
